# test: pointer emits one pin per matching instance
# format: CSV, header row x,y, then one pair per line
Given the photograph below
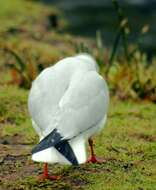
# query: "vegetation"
x,y
127,69
128,142
129,73
29,41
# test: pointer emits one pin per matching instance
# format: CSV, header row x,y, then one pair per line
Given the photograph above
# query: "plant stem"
x,y
17,57
121,18
116,42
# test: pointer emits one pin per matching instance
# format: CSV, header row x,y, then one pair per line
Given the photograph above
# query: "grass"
x,y
128,143
14,118
28,35
15,14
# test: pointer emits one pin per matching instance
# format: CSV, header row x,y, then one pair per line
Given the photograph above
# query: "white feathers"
x,y
51,155
71,97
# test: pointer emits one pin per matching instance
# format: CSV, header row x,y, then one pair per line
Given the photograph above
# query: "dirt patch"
x,y
141,136
14,162
15,167
15,139
14,150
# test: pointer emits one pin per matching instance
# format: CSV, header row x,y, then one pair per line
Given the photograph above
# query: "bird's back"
x,y
49,88
46,92
68,102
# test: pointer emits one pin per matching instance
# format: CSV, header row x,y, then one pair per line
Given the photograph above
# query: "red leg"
x,y
93,158
46,175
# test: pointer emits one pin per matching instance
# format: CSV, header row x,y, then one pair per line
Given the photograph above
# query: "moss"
x,y
15,14
127,143
14,117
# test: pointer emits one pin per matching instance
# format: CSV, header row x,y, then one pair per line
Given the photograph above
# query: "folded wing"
x,y
83,105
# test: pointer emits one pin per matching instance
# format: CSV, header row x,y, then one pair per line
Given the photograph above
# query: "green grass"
x,y
128,143
24,29
14,118
23,13
27,34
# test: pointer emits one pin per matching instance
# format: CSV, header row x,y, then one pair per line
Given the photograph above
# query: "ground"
x,y
127,142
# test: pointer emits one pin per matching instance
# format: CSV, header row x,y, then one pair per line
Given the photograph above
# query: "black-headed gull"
x,y
68,103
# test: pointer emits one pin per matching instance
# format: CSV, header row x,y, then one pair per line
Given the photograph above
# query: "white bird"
x,y
68,103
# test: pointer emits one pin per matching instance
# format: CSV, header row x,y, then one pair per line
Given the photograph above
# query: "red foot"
x,y
44,177
95,160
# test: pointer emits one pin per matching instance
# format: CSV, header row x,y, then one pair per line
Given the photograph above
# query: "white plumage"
x,y
73,98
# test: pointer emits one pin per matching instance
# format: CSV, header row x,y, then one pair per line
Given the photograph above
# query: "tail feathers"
x,y
49,141
65,149
78,146
49,155
61,153
54,139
